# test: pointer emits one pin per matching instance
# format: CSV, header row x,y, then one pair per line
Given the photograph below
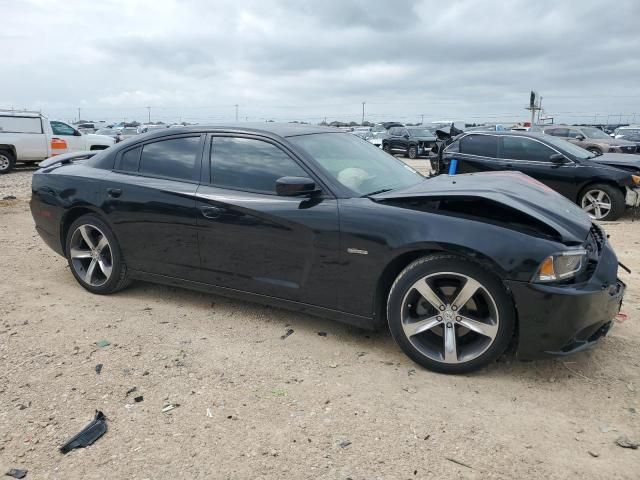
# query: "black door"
x,y
150,200
532,157
477,153
256,241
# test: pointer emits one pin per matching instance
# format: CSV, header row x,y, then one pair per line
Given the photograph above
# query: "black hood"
x,y
618,160
425,138
512,189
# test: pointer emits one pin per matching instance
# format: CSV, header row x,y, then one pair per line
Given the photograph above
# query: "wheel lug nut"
x,y
449,325
458,319
442,307
439,319
454,308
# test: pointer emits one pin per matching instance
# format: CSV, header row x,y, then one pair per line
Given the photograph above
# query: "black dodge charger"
x,y
309,218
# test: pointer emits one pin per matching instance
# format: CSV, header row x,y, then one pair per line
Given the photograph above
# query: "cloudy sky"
x,y
193,60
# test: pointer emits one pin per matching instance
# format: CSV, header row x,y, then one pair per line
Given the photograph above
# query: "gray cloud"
x,y
306,59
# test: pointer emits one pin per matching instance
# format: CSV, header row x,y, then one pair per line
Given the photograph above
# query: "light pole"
x,y
362,113
149,112
236,105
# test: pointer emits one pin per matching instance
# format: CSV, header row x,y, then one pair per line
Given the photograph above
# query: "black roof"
x,y
280,129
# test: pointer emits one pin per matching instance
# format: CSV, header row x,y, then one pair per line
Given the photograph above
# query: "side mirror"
x,y
580,137
295,186
406,135
558,158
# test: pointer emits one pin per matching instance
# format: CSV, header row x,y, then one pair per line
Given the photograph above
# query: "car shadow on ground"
x,y
583,366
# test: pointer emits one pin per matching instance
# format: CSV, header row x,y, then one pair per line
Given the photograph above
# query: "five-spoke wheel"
x,y
450,314
602,202
93,254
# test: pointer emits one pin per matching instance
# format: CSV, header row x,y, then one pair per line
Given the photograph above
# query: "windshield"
x,y
421,132
357,164
592,132
627,131
129,131
568,147
104,131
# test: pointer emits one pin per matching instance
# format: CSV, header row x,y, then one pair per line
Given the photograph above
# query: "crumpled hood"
x,y
103,138
618,159
513,189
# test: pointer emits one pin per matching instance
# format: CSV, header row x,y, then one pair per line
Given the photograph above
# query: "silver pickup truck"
x,y
30,137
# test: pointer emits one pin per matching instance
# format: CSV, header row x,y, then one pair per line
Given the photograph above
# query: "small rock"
x,y
624,442
333,365
345,444
410,389
10,197
322,334
138,399
103,343
98,368
287,333
606,429
593,454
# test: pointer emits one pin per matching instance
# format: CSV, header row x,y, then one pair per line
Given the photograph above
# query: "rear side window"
x,y
521,148
481,145
130,160
174,158
11,124
249,164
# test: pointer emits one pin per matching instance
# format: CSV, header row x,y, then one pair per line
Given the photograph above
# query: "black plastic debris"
x,y
16,473
89,434
138,399
131,390
10,197
322,334
345,444
288,332
98,368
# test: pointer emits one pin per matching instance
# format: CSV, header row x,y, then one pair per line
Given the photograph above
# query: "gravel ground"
x,y
254,405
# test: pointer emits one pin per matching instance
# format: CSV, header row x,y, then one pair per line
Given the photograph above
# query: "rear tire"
x,y
7,161
449,314
602,202
94,256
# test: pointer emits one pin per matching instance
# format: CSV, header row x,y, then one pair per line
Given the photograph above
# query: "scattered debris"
x,y
631,387
410,389
322,334
593,454
345,444
209,414
11,197
624,442
621,317
287,333
89,434
361,354
631,410
98,368
16,472
138,399
606,429
412,371
171,406
103,343
458,462
145,373
131,390
333,365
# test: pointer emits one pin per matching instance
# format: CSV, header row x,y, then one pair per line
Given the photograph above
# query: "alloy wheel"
x,y
596,203
4,163
91,255
450,317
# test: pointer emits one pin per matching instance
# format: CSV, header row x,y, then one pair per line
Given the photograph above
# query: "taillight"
x,y
58,146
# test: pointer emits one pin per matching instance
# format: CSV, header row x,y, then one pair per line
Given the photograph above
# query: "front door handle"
x,y
212,212
114,192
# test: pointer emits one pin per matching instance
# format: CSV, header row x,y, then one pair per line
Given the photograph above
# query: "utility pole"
x,y
362,113
539,109
149,112
421,118
79,117
236,105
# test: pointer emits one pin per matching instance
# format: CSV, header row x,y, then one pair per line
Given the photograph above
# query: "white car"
x,y
30,137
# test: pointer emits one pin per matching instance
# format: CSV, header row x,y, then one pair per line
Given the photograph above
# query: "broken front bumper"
x,y
563,319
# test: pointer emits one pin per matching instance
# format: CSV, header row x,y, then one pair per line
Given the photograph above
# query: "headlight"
x,y
561,266
635,179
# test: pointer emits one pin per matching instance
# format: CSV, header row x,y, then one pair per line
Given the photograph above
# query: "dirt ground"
x,y
254,405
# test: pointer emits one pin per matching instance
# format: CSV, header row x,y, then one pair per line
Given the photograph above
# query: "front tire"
x,y
412,153
603,202
94,256
386,148
449,314
595,150
7,161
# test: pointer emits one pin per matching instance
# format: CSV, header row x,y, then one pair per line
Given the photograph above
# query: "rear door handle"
x,y
114,192
212,212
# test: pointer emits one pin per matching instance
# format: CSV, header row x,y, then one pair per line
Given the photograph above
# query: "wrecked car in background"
x,y
413,142
315,220
602,185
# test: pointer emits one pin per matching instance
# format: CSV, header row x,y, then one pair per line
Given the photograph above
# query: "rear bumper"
x,y
560,320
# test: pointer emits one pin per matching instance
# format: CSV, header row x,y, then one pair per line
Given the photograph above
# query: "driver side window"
x,y
60,128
